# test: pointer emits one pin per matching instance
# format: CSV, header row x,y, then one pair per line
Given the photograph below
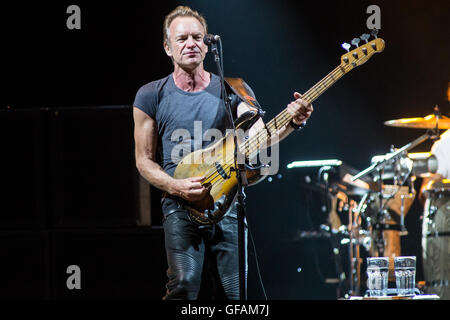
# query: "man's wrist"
x,y
296,126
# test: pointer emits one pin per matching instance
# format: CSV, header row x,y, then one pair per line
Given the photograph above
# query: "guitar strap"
x,y
241,89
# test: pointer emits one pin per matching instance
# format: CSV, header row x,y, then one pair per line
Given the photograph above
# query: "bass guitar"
x,y
217,162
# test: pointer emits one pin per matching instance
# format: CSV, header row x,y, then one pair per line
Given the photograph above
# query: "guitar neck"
x,y
349,61
323,85
271,128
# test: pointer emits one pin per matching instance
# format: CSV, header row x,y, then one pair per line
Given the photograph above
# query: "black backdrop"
x,y
63,158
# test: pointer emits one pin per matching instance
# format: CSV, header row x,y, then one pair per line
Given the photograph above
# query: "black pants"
x,y
199,256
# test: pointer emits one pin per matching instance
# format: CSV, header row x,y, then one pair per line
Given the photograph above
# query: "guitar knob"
x,y
365,37
374,33
346,46
356,42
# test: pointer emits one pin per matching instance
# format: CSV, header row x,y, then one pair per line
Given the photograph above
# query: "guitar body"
x,y
216,163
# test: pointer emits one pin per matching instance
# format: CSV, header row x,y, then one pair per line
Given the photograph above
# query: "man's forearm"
x,y
281,133
284,132
155,175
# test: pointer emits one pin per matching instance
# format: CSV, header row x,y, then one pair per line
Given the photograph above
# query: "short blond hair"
x,y
181,11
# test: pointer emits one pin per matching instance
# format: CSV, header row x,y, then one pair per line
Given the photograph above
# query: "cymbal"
x,y
428,122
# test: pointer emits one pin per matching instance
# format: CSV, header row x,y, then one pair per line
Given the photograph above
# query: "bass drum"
x,y
436,238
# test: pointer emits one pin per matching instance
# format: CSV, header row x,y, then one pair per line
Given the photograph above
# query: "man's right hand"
x,y
190,189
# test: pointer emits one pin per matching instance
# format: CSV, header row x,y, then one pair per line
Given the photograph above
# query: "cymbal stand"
x,y
378,167
379,240
352,270
403,231
432,134
354,231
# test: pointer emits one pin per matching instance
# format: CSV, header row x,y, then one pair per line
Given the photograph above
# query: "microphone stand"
x,y
241,180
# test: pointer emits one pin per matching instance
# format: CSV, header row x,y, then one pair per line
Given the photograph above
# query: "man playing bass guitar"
x,y
188,96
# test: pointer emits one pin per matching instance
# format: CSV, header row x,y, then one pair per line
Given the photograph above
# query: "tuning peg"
x,y
346,46
374,33
356,42
365,37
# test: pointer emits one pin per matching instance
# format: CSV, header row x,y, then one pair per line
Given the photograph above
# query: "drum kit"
x,y
385,207
376,200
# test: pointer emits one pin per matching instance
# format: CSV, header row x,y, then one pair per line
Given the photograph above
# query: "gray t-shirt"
x,y
183,117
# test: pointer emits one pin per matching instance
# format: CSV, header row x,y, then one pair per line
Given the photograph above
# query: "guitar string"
x,y
315,92
284,116
253,145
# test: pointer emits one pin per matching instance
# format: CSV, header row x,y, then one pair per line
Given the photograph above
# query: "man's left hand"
x,y
299,109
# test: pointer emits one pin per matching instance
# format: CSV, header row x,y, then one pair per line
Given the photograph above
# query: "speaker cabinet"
x,y
24,272
23,166
125,264
95,180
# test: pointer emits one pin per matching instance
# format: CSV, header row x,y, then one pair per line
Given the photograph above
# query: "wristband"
x,y
297,126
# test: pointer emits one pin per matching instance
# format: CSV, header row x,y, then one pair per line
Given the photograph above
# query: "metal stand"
x,y
241,176
354,230
353,253
379,167
432,134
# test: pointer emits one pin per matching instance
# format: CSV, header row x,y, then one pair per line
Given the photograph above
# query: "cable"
x,y
221,55
256,261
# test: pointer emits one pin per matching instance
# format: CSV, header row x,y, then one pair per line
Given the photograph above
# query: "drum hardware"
x,y
394,159
401,166
401,174
403,231
334,181
422,164
357,236
341,277
433,122
370,224
369,231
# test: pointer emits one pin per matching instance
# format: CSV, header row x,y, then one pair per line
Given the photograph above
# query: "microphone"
x,y
209,39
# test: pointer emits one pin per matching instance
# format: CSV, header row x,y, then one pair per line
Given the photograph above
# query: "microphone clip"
x,y
209,39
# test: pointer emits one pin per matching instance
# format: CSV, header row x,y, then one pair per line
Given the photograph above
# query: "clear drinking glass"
x,y
405,275
377,276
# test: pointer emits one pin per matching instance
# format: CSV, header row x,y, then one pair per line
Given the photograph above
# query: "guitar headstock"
x,y
362,53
